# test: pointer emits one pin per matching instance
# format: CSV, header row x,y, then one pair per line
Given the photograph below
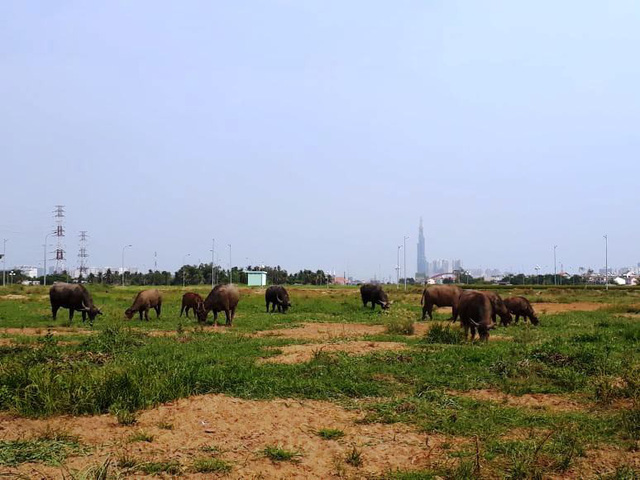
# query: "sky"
x,y
314,134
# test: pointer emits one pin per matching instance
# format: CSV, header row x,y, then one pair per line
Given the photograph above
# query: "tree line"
x,y
194,275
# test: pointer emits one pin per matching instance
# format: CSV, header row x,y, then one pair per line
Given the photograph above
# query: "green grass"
x,y
277,453
119,368
140,436
211,465
330,433
50,447
171,467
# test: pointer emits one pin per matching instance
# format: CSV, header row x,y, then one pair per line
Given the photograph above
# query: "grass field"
x,y
329,390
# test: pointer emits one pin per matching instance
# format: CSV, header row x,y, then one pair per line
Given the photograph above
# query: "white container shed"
x,y
256,279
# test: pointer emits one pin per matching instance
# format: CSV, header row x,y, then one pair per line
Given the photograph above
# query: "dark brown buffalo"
x,y
223,298
440,296
374,294
190,301
277,296
475,312
144,301
499,308
520,306
74,297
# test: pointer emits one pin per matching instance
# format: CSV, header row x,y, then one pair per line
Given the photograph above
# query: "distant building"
x,y
27,270
421,270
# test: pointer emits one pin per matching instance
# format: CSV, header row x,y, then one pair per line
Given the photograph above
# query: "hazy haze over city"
x,y
315,134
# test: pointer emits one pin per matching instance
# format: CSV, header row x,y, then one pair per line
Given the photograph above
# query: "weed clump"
x,y
400,326
330,433
444,334
276,453
211,465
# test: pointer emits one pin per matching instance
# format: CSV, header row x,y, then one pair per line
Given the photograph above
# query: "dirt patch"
x,y
551,308
35,332
529,400
241,429
325,331
304,353
13,297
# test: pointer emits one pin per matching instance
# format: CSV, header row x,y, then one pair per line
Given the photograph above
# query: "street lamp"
x,y
184,261
4,262
537,269
123,249
11,275
404,259
230,271
213,250
555,271
398,268
606,262
45,257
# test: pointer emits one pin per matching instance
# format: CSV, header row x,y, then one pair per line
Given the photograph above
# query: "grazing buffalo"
x,y
144,301
521,306
74,297
374,294
223,298
475,312
499,308
190,301
277,296
440,296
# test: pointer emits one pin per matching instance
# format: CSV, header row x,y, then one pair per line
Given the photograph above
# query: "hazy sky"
x,y
316,133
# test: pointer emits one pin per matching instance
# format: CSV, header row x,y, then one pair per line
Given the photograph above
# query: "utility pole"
x,y
555,271
230,270
45,257
123,249
398,268
4,262
213,249
606,262
404,259
184,261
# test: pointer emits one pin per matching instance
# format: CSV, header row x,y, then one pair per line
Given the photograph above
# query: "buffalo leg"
x,y
517,319
140,312
182,310
70,314
215,318
454,313
267,307
233,314
54,310
84,316
424,311
159,309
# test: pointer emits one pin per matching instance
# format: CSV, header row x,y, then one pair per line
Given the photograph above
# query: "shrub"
x,y
278,454
211,465
400,326
330,433
444,334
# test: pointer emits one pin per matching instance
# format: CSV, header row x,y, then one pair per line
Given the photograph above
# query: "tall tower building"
x,y
421,272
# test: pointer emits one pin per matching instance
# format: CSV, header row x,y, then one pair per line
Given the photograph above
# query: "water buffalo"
x,y
223,298
475,312
190,301
74,297
277,296
144,301
499,308
440,296
521,306
374,294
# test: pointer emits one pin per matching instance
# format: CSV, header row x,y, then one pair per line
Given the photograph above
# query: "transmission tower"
x,y
83,255
58,215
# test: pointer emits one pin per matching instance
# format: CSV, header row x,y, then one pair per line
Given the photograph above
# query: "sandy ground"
x,y
241,429
534,400
543,308
304,353
29,331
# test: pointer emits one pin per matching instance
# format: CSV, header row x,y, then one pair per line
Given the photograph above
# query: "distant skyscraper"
x,y
421,272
